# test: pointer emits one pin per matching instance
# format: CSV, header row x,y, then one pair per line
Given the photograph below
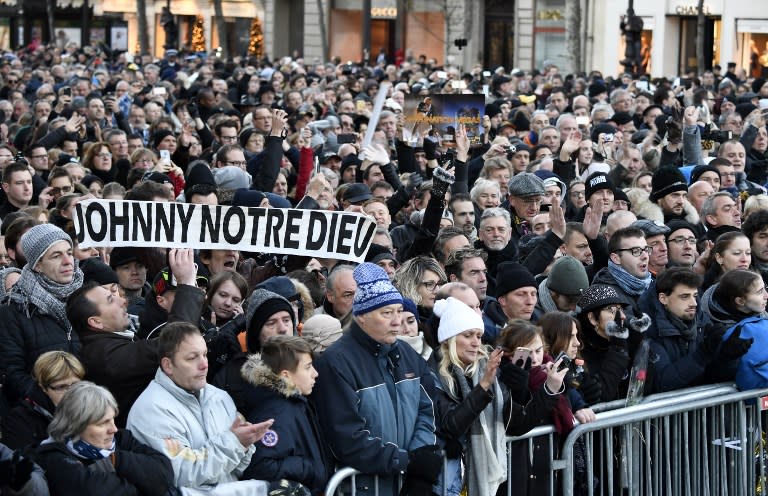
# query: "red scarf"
x,y
562,414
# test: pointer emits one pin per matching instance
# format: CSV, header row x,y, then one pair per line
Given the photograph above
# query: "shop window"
x,y
549,34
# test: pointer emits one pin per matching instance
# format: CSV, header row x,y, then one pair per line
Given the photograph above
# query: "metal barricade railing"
x,y
629,462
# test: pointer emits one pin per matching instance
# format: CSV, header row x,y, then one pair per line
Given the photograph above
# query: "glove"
x,y
416,179
424,464
616,330
16,471
441,181
430,149
591,389
234,326
713,336
734,347
194,112
515,377
640,324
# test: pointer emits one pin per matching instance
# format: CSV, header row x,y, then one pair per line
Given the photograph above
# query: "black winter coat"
x,y
120,364
136,469
299,452
23,339
26,425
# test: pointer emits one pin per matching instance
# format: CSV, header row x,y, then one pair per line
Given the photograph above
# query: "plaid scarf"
x,y
33,289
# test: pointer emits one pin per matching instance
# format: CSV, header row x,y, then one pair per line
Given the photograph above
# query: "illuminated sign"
x,y
384,12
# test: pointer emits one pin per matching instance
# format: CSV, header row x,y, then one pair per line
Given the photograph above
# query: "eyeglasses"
x,y
614,309
144,161
60,388
728,174
13,81
681,239
432,285
39,157
229,139
237,163
63,189
105,155
577,194
636,251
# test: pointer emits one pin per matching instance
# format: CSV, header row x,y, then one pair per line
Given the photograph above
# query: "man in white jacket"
x,y
193,423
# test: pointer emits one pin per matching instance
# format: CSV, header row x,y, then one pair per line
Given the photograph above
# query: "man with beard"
x,y
669,189
682,352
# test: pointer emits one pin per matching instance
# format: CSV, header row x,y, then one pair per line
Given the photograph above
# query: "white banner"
x,y
290,231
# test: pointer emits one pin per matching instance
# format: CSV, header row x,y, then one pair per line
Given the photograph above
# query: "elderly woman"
x,y
86,453
485,194
470,403
27,424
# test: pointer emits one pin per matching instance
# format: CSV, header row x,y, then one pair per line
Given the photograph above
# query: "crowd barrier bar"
x,y
609,415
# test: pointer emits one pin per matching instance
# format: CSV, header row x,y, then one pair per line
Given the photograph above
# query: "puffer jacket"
x,y
297,450
23,339
204,452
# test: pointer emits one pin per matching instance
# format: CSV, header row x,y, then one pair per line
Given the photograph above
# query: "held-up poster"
x,y
289,231
437,117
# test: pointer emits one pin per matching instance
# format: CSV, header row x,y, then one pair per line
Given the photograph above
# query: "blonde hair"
x,y
754,203
451,357
54,366
408,276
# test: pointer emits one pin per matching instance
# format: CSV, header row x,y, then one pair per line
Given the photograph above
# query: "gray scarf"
x,y
545,298
486,455
33,289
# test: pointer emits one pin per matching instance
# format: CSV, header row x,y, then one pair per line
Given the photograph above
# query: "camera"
x,y
511,150
608,137
716,135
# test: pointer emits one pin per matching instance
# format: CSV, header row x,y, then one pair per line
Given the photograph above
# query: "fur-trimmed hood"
x,y
257,374
644,208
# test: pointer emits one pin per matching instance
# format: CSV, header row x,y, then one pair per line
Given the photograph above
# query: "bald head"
x,y
698,192
461,292
618,220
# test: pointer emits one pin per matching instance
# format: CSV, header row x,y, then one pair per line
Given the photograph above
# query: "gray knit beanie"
x,y
262,305
39,239
568,277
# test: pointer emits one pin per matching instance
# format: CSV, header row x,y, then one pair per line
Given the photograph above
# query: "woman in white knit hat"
x,y
468,376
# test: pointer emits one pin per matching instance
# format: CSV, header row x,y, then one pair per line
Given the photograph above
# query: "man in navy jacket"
x,y
370,394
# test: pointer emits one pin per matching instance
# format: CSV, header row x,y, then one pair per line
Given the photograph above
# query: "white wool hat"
x,y
455,318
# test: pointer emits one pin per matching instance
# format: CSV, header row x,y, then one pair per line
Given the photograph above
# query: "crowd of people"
x,y
509,283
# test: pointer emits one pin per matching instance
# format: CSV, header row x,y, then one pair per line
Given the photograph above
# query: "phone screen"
x,y
165,155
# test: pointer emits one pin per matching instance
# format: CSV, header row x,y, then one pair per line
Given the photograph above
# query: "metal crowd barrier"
x,y
701,441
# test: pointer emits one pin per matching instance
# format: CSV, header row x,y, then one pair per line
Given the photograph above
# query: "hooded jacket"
x,y
299,452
